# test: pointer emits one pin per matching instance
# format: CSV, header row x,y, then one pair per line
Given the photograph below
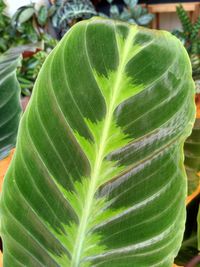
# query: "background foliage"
x,y
190,36
29,25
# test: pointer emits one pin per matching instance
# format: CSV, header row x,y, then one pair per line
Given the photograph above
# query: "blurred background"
x,y
40,24
168,19
33,28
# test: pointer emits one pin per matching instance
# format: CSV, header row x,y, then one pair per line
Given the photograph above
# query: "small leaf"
x,y
125,15
25,15
42,15
131,3
145,19
132,21
136,12
114,11
51,10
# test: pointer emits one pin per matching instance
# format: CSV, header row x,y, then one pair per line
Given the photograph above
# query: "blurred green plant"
x,y
66,13
190,31
27,25
131,12
32,26
189,35
7,33
29,70
32,23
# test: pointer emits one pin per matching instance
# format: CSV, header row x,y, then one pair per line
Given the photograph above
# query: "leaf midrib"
x,y
82,229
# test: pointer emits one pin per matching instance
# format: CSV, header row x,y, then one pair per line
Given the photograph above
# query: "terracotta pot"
x,y
1,259
197,100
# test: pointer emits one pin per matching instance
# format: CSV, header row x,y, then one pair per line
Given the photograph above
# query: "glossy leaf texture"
x,y
189,248
192,158
10,109
98,176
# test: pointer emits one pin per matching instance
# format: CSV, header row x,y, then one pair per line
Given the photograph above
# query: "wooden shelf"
x,y
193,8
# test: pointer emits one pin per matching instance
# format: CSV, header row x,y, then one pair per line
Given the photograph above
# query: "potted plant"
x,y
97,183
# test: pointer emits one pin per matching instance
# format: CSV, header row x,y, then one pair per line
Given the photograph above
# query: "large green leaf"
x,y
10,108
192,158
98,176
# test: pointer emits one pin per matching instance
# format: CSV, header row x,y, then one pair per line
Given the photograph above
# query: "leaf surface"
x,y
98,176
10,109
192,158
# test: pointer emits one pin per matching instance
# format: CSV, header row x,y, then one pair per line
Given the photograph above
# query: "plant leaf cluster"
x,y
29,70
190,36
131,12
30,25
27,25
68,12
7,32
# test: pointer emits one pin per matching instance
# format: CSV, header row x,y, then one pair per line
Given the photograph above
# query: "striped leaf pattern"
x,y
10,109
192,158
98,177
